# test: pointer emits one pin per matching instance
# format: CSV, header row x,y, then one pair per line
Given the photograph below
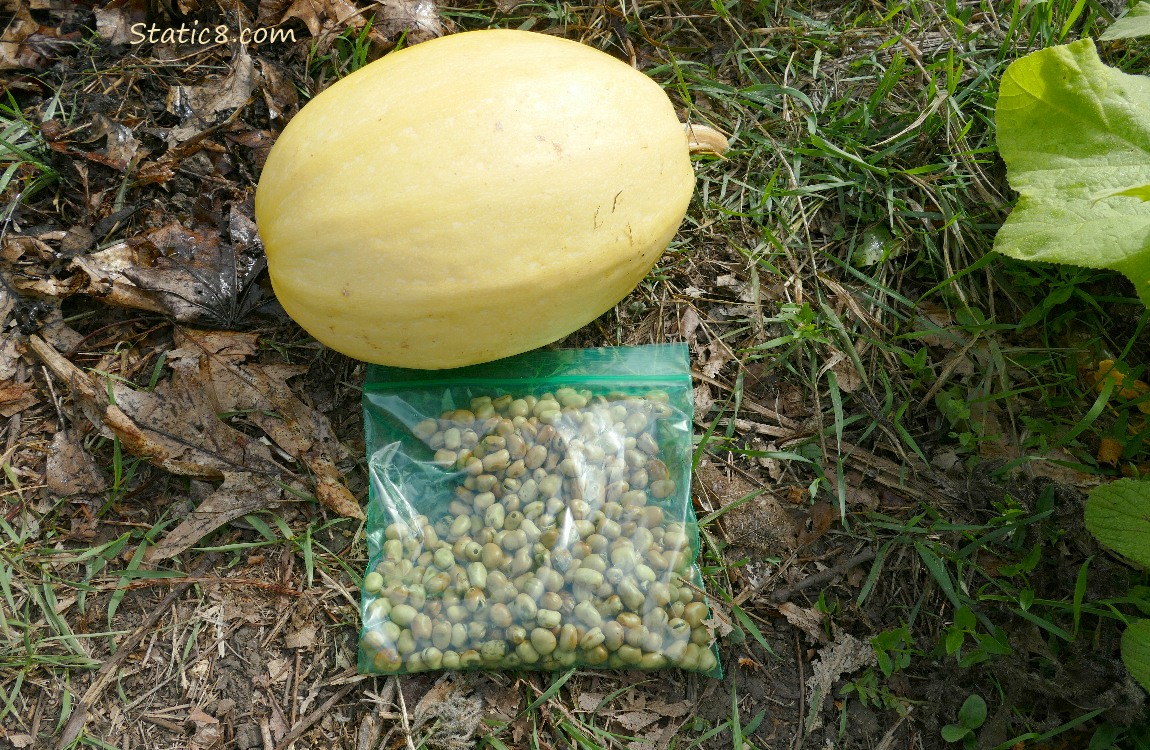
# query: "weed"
x,y
24,165
971,716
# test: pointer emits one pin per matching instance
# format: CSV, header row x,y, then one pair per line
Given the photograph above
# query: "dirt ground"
x,y
140,265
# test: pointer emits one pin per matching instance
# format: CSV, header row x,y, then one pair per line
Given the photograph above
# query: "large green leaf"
x,y
1118,514
1136,651
1135,23
1075,133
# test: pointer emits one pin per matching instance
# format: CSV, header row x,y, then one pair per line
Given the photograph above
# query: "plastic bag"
x,y
534,513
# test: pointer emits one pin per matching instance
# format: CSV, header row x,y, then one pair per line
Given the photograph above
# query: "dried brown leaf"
x,y
24,43
198,106
502,701
1109,449
845,655
808,620
820,518
121,147
760,523
305,637
671,710
178,430
846,375
323,15
720,620
703,401
633,721
17,248
263,394
689,322
241,493
16,398
71,469
280,94
114,19
590,700
7,305
175,427
9,356
189,274
418,19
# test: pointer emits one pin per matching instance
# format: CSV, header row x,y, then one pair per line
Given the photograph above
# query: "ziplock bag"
x,y
534,513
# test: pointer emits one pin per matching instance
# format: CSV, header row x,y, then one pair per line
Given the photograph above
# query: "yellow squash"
x,y
471,197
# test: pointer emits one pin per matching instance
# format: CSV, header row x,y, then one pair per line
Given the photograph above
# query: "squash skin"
x,y
470,198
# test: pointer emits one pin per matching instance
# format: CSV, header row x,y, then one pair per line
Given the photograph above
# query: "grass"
x,y
839,259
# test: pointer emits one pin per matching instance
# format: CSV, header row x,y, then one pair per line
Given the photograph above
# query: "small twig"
x,y
797,742
825,576
308,721
266,733
55,398
403,715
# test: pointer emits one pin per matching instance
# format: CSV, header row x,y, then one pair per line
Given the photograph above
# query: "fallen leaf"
x,y
1110,451
198,106
302,638
689,322
121,148
114,19
845,655
760,523
820,518
198,716
263,394
703,401
259,141
416,20
935,326
846,375
176,428
502,701
633,721
1124,386
671,710
7,303
714,357
590,701
280,94
240,494
719,621
208,734
24,43
70,469
9,355
189,274
278,670
16,398
20,741
808,620
862,498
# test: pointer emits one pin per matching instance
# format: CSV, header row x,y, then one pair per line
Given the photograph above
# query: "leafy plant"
x,y
971,716
1075,136
1118,514
894,649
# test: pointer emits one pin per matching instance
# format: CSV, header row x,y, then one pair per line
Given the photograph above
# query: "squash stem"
x,y
702,139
